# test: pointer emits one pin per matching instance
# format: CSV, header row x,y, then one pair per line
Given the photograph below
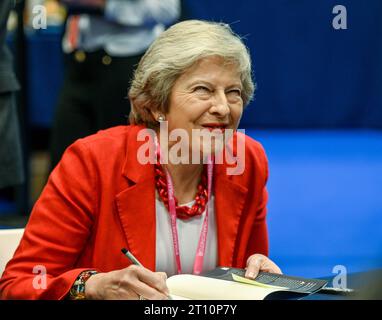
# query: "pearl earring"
x,y
161,118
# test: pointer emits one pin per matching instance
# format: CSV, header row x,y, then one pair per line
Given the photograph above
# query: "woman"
x,y
103,196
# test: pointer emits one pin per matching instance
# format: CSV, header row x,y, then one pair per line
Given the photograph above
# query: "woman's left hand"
x,y
258,262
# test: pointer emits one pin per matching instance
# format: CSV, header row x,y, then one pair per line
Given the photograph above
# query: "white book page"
x,y
204,288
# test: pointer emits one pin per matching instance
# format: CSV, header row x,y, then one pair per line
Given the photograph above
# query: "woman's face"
x,y
205,97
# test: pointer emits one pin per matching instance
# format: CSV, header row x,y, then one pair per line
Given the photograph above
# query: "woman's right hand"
x,y
132,282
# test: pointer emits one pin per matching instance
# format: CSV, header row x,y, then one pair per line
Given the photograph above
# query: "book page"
x,y
204,288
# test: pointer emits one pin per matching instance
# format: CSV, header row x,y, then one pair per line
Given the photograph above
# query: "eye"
x,y
234,95
236,92
201,89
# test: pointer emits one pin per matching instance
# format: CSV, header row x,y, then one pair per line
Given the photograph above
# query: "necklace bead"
x,y
182,212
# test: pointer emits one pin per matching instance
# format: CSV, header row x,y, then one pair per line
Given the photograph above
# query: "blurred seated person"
x,y
174,216
103,43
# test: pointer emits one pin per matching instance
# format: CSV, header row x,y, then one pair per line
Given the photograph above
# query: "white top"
x,y
188,234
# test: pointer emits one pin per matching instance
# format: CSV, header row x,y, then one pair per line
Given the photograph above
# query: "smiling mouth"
x,y
215,126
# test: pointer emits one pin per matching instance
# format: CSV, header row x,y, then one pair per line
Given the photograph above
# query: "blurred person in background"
x,y
11,168
103,42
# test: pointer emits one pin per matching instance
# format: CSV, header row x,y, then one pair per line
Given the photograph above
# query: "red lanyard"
x,y
201,249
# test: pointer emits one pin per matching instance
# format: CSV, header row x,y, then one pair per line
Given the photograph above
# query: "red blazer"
x,y
100,199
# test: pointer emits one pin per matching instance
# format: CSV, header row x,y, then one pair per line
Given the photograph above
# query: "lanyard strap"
x,y
201,249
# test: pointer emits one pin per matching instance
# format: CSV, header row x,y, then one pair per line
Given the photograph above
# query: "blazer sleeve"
x,y
258,242
58,228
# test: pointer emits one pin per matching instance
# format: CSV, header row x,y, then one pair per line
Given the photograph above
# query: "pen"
x,y
134,260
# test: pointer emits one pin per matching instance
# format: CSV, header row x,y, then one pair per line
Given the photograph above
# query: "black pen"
x,y
134,260
131,257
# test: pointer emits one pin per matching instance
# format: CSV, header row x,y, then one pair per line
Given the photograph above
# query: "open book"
x,y
230,284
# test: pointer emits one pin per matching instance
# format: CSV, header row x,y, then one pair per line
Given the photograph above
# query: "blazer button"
x,y
106,60
80,56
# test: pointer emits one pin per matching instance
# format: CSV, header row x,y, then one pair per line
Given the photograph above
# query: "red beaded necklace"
x,y
182,212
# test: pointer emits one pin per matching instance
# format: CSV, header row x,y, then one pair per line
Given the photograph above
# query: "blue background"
x,y
308,74
325,203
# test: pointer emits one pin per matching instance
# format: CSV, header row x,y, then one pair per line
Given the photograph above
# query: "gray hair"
x,y
172,53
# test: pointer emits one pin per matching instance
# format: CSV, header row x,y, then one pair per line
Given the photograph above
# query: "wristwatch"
x,y
77,291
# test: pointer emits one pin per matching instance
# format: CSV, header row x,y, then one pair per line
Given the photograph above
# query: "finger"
x,y
156,280
266,264
147,292
269,266
164,288
254,266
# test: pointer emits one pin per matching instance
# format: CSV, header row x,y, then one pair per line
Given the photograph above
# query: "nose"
x,y
220,106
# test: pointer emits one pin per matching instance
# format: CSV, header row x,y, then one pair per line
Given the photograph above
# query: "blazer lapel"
x,y
136,204
229,204
136,208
